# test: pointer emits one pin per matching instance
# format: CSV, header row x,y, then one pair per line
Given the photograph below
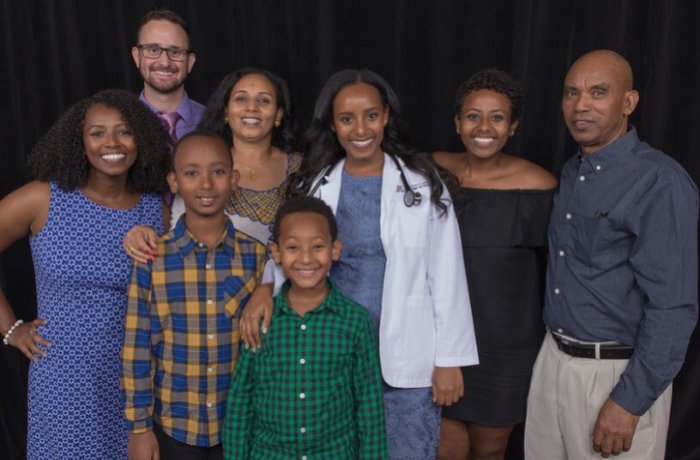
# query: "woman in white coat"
x,y
402,257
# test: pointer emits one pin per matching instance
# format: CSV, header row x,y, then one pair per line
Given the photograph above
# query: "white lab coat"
x,y
426,317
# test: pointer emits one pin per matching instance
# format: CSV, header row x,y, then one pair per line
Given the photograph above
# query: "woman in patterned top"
x,y
99,171
251,108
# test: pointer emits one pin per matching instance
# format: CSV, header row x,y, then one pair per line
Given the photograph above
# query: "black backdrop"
x,y
53,53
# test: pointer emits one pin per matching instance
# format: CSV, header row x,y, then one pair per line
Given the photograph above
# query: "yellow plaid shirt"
x,y
182,337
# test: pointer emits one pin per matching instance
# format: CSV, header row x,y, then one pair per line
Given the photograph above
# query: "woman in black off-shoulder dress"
x,y
503,205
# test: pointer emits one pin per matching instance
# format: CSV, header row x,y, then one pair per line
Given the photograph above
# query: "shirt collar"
x,y
331,303
184,109
186,242
618,150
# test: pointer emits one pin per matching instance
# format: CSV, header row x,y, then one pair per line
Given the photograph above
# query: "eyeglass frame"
x,y
186,51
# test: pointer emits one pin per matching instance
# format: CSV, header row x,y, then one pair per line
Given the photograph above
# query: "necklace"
x,y
252,173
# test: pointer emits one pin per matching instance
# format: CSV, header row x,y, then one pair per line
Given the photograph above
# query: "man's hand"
x,y
614,429
143,446
448,385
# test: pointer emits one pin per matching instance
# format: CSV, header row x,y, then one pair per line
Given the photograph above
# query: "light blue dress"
x,y
413,421
75,401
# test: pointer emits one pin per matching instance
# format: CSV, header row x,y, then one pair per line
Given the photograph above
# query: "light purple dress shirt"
x,y
190,111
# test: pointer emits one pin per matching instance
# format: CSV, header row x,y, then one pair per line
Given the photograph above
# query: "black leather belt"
x,y
581,350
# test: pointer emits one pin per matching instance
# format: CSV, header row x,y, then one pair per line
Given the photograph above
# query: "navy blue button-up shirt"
x,y
623,261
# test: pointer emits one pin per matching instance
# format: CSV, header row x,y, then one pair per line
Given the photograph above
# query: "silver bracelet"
x,y
17,324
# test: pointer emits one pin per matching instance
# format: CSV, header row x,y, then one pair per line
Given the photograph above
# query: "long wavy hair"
x,y
59,155
213,120
321,148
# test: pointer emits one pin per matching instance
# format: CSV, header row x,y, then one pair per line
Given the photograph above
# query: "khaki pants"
x,y
566,394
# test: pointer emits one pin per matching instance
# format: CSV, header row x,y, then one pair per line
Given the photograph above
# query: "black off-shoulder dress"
x,y
504,236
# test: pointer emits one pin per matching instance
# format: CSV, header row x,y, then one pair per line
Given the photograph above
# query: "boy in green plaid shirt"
x,y
314,388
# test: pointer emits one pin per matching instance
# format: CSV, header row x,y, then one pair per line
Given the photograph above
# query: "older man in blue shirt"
x,y
621,300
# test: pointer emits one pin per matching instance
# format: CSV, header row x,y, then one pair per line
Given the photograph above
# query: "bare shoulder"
x,y
25,209
35,193
448,160
528,175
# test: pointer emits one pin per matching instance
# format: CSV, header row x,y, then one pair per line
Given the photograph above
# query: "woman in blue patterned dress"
x,y
98,172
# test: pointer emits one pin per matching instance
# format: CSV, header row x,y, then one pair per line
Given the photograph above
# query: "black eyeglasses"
x,y
152,51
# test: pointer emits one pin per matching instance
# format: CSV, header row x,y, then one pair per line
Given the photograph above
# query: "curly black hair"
x,y
321,147
59,155
213,120
494,80
304,203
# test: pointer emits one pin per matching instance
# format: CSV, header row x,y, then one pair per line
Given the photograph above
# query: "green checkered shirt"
x,y
312,391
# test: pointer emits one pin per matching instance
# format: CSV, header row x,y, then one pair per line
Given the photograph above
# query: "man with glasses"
x,y
163,56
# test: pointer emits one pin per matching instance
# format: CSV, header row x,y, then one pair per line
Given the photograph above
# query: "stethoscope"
x,y
410,197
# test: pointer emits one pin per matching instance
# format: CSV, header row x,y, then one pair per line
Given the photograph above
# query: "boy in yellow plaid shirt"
x,y
181,341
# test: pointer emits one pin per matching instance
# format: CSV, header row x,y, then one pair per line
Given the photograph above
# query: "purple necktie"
x,y
170,119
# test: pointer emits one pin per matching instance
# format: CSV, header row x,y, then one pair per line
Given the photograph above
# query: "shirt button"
x,y
557,291
210,336
201,245
568,216
560,330
208,266
209,370
303,327
302,430
304,457
208,404
561,253
209,301
597,167
302,361
582,178
302,395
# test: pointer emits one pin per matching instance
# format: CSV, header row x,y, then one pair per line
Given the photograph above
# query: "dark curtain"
x,y
53,53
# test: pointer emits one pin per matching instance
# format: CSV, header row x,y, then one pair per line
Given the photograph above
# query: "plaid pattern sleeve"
x,y
182,336
312,391
136,355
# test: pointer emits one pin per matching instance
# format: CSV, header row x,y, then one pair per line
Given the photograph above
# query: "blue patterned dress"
x,y
75,402
412,420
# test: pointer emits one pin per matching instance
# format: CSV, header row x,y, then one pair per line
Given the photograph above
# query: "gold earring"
x,y
277,123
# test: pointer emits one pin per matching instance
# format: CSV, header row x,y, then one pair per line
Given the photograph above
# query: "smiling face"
x,y
598,99
110,145
359,118
484,122
203,176
252,108
305,249
162,74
